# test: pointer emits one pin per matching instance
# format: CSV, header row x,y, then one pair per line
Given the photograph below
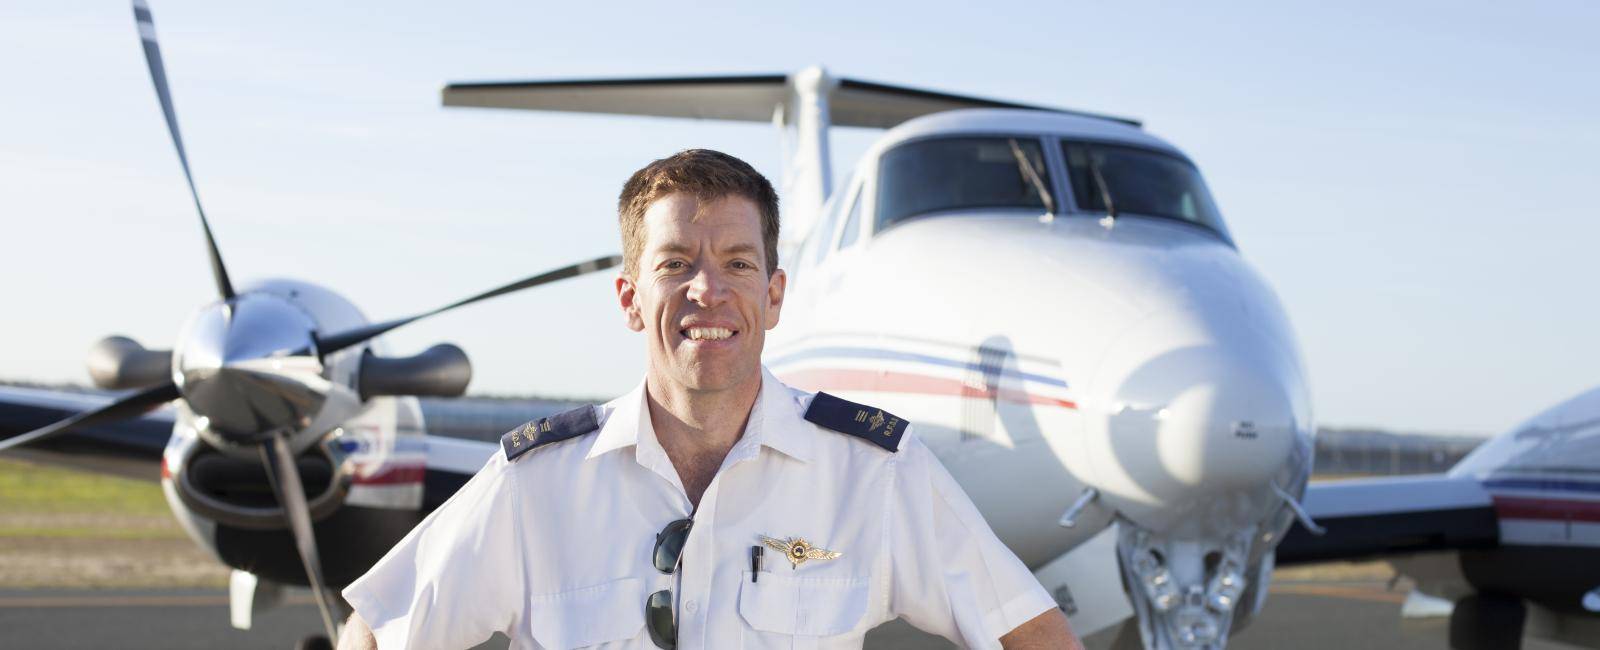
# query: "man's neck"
x,y
698,428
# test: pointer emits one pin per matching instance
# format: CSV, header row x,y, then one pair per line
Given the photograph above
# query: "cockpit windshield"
x,y
928,176
1138,181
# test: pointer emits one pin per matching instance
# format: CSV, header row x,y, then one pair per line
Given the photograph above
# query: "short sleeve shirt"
x,y
554,548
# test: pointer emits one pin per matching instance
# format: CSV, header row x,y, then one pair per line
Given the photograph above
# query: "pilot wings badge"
x,y
797,550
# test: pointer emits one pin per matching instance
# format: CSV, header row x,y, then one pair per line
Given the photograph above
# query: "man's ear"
x,y
775,287
627,296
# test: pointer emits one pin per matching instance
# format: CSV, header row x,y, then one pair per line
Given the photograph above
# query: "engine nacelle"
x,y
440,371
118,362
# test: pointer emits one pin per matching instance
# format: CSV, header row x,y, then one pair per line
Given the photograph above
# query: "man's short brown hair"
x,y
707,175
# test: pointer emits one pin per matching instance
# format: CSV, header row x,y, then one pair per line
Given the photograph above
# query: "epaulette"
x,y
871,424
543,431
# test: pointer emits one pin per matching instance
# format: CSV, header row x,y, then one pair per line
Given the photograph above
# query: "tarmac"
x,y
1304,616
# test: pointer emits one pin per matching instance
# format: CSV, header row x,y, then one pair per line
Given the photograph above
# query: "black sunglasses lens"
x,y
658,618
669,545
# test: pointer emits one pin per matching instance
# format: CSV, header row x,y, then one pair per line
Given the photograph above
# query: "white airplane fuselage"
x,y
1039,357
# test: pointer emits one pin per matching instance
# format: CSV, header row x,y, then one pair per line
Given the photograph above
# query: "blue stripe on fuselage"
x,y
1543,484
896,355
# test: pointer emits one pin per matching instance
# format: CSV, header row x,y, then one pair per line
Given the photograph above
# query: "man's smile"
x,y
708,333
705,331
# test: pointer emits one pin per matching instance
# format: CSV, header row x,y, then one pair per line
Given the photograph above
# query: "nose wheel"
x,y
1184,592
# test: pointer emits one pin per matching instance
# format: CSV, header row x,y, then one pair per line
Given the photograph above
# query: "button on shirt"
x,y
554,548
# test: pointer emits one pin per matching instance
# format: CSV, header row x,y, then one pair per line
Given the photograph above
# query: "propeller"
x,y
341,340
158,75
286,479
276,450
126,407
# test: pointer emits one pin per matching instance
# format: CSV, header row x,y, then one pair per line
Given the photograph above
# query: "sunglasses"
x,y
658,614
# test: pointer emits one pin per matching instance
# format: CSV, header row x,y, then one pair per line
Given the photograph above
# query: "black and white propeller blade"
x,y
278,459
276,455
341,340
126,407
158,76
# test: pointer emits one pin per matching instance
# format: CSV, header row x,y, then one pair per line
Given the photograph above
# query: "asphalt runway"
x,y
1304,616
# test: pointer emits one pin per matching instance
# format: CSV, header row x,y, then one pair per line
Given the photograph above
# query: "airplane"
x,y
1052,296
1056,298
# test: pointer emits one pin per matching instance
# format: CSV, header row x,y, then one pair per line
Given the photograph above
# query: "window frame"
x,y
874,226
1060,143
857,211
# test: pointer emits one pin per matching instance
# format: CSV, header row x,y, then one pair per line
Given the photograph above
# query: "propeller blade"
x,y
341,340
158,75
278,459
127,407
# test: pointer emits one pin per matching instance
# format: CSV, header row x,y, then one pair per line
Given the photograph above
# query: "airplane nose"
x,y
1198,415
250,367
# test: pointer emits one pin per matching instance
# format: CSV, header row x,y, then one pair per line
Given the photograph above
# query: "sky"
x,y
1416,180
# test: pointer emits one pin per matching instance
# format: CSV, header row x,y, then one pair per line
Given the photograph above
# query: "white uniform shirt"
x,y
554,548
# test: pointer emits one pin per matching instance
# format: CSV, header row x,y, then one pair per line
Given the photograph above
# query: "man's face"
x,y
702,295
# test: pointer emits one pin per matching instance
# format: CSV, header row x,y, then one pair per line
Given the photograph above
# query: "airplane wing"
x,y
130,447
1373,517
746,98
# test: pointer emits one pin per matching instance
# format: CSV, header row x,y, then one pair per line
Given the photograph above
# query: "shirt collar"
x,y
781,427
775,421
625,420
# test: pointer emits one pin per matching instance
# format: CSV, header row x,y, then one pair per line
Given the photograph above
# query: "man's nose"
x,y
706,288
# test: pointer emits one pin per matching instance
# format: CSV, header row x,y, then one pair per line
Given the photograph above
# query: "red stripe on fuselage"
x,y
883,381
393,475
1546,509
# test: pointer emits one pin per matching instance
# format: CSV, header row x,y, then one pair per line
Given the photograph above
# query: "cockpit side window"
x,y
852,223
817,243
1138,181
960,173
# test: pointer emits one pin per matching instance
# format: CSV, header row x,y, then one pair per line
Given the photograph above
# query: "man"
x,y
713,506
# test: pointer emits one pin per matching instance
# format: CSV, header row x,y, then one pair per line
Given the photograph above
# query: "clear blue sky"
x,y
1418,182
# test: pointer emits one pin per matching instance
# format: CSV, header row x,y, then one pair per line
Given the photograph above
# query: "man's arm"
x,y
357,636
950,574
1047,630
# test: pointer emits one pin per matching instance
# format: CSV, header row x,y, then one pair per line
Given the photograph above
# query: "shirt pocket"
x,y
787,611
588,616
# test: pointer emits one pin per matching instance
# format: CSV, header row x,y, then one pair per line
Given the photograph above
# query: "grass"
x,y
27,488
90,532
41,501
66,528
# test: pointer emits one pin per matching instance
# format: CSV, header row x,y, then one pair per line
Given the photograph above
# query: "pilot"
x,y
712,506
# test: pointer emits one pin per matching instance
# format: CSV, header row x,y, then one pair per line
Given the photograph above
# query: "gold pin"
x,y
797,550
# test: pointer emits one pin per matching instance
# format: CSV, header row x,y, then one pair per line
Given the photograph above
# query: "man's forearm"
x,y
1047,630
356,635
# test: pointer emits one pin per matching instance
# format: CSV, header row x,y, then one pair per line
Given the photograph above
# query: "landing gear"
x,y
1487,621
1184,591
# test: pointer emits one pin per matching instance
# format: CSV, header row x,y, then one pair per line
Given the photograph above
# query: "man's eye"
x,y
741,264
675,265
